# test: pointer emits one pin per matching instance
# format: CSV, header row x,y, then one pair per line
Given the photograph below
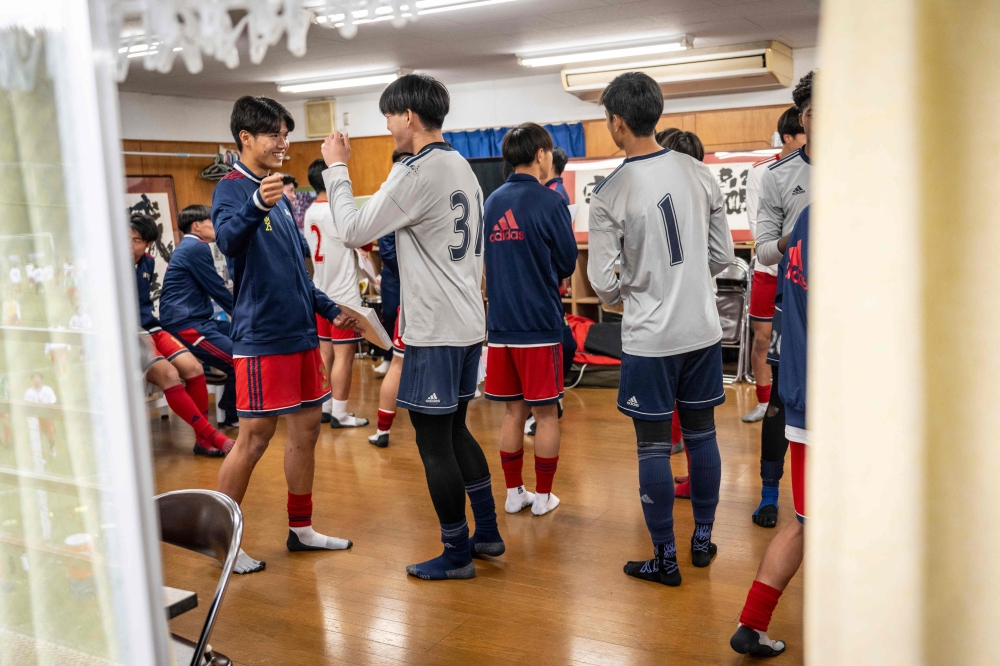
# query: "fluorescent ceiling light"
x,y
337,84
609,54
438,6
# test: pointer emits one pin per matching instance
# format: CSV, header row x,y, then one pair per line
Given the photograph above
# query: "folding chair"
x,y
209,523
733,302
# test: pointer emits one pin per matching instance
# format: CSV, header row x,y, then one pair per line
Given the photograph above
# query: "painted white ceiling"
x,y
480,44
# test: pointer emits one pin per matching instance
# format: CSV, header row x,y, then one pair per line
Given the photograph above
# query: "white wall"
x,y
473,105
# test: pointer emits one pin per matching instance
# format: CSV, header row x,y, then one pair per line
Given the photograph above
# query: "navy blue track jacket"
x,y
530,248
274,299
556,185
143,276
190,285
793,283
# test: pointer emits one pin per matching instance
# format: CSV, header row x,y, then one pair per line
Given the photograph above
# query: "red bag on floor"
x,y
580,325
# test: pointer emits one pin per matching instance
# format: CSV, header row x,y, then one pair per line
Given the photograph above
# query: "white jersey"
x,y
753,205
434,204
42,396
784,194
335,266
663,216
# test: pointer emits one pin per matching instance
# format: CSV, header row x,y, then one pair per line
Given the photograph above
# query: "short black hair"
x,y
258,115
145,226
803,92
687,143
316,169
661,137
190,215
789,123
559,159
522,143
424,95
286,179
635,98
399,155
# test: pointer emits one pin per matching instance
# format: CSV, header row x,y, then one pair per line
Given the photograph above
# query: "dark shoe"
x,y
766,515
702,554
209,451
325,418
381,441
751,641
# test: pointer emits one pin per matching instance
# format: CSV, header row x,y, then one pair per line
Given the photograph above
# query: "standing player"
x,y
335,272
279,370
190,285
784,194
662,216
530,249
433,202
765,278
390,317
784,554
555,181
190,399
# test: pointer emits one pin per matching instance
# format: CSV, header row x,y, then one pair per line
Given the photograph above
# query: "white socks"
x,y
381,368
310,537
246,564
544,502
328,407
517,499
338,411
338,408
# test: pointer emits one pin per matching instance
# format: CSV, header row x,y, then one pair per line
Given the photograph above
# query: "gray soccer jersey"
x,y
784,193
433,202
663,216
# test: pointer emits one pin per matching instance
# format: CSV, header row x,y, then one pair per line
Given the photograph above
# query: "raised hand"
x,y
336,148
270,189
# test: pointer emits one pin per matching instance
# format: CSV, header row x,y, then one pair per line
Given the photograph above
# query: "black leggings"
x,y
452,458
772,430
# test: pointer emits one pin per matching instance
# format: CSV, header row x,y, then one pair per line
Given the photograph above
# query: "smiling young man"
x,y
661,216
529,250
279,370
190,284
434,204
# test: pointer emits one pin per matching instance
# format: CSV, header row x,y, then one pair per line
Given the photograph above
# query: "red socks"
x,y
300,510
761,602
675,428
763,394
198,390
385,420
545,469
511,463
183,406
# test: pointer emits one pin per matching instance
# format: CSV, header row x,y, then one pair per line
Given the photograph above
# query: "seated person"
x,y
190,285
189,400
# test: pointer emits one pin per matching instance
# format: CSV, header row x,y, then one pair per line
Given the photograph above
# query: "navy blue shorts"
x,y
435,379
650,385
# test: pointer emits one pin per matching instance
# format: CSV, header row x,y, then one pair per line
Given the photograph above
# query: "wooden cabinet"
x,y
582,300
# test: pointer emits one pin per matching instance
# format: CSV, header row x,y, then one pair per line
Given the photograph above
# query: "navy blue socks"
x,y
486,540
656,490
706,472
771,472
454,562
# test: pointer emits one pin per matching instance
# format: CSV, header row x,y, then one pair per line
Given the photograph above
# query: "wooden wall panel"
x,y
190,189
371,160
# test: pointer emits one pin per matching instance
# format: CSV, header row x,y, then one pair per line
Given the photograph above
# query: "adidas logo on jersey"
x,y
632,402
506,229
645,499
432,398
798,190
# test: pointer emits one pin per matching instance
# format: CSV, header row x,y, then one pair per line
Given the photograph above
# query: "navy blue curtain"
x,y
487,142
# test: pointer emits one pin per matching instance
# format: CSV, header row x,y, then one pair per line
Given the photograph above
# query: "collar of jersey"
x,y
646,157
437,145
521,178
192,236
802,154
242,168
557,179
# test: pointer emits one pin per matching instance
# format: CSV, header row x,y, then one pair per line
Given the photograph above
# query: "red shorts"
x,y
799,479
532,374
338,336
280,384
398,346
762,296
167,345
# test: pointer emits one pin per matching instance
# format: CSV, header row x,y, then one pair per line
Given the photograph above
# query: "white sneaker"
x,y
381,368
544,502
757,414
518,499
529,425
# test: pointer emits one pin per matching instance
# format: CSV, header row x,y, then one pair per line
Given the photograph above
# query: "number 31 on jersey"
x,y
460,199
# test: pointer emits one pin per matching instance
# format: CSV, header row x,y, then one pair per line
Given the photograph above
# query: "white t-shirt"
x,y
335,266
42,396
753,205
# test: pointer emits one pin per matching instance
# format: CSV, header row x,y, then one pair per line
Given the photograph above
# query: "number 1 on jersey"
x,y
673,233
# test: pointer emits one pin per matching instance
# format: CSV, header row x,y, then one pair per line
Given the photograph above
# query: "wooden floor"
x,y
558,596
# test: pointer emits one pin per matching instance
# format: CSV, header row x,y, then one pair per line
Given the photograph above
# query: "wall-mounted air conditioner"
x,y
704,71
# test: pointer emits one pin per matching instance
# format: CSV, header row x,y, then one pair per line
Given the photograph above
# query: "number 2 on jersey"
x,y
673,233
460,200
317,257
